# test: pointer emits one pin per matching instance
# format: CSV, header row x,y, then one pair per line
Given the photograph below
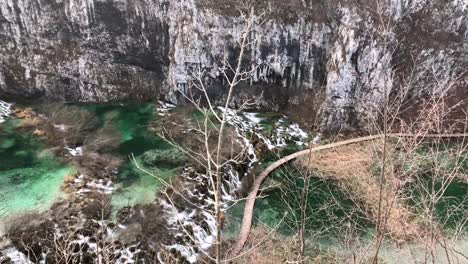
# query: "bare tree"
x,y
216,153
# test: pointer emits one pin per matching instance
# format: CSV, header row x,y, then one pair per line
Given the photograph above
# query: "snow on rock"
x,y
5,110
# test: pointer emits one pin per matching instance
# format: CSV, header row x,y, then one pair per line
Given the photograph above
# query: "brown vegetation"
x,y
351,166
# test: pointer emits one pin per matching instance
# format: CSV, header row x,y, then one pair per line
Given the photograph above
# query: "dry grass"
x,y
351,166
269,248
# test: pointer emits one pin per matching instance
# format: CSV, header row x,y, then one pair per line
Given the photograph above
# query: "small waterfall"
x,y
284,132
193,225
5,110
12,255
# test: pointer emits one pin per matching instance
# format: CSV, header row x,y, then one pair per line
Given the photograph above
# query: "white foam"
x,y
180,220
75,152
5,110
250,123
101,186
164,108
15,256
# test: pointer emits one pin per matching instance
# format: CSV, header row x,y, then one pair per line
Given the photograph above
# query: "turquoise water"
x,y
329,209
132,123
30,175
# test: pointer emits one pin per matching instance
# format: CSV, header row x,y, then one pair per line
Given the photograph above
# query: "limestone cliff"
x,y
354,52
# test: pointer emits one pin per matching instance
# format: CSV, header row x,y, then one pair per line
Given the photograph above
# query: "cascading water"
x,y
194,228
192,224
5,110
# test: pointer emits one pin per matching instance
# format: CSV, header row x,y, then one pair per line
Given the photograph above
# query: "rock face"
x,y
355,53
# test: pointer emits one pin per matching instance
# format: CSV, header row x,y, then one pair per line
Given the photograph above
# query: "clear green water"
x,y
451,208
329,209
30,175
137,187
131,121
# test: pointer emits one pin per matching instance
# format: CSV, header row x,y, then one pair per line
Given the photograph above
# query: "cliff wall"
x,y
351,54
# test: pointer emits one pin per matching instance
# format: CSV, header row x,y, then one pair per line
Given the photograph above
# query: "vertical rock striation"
x,y
354,52
81,50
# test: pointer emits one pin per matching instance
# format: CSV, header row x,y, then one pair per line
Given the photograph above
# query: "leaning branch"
x,y
250,200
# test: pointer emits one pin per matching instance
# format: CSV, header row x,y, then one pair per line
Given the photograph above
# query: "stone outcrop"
x,y
354,52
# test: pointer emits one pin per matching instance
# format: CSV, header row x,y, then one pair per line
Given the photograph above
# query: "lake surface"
x,y
30,174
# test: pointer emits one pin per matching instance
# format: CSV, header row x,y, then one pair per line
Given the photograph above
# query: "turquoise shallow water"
x,y
131,121
30,175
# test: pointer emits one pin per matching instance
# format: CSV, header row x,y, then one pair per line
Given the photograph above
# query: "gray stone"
x,y
102,50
